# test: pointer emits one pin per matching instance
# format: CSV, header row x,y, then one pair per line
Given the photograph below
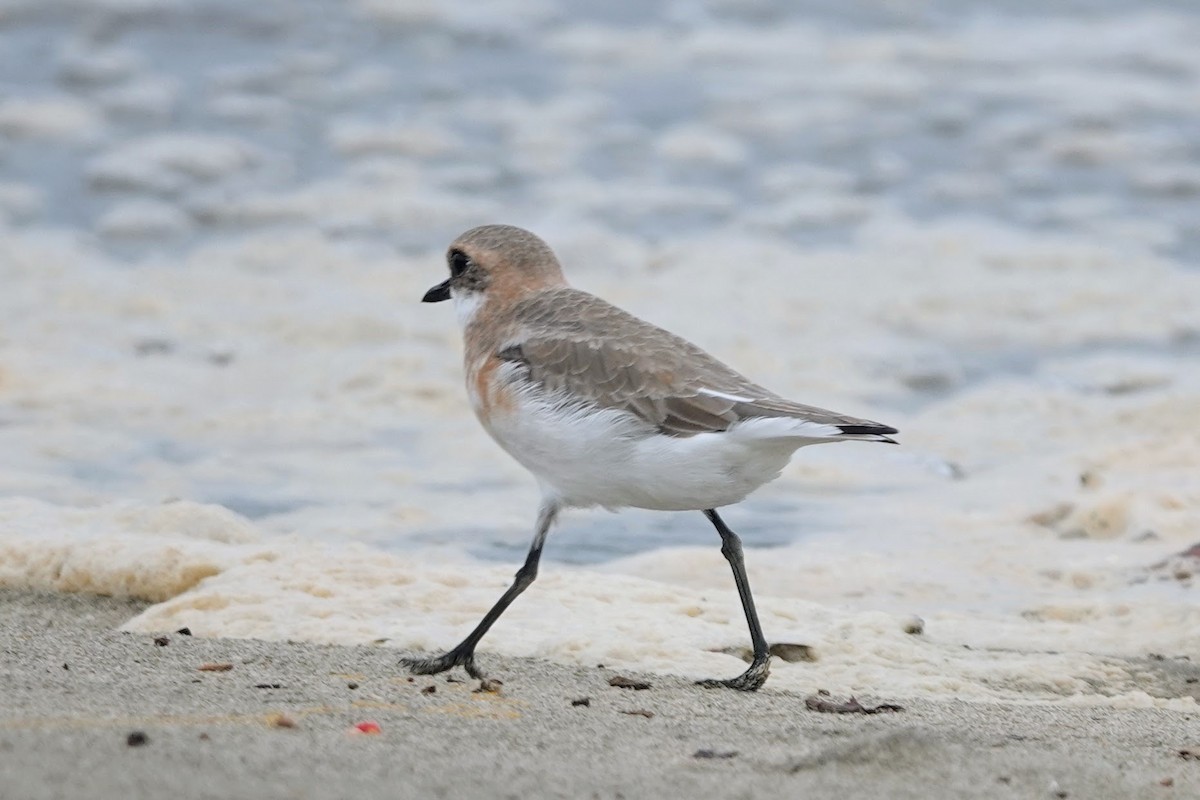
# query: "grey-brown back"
x,y
574,341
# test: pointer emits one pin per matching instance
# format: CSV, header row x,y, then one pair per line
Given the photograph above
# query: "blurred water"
x,y
1064,121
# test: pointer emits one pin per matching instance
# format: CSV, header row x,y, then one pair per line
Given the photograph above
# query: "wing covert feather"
x,y
566,342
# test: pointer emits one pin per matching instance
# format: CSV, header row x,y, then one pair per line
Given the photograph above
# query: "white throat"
x,y
466,306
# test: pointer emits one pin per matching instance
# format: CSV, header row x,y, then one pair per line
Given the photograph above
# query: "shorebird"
x,y
608,410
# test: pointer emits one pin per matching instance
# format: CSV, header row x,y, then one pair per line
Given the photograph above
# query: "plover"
x,y
608,410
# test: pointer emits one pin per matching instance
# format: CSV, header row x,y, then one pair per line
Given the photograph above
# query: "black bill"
x,y
438,293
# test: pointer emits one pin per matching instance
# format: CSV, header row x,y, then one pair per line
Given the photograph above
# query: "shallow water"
x,y
980,227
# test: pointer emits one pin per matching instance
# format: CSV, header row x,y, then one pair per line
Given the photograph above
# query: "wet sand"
x,y
75,689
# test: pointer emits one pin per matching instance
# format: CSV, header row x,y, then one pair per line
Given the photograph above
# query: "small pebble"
x,y
714,753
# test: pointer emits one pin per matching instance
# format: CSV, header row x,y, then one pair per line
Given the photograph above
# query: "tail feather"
x,y
869,432
812,432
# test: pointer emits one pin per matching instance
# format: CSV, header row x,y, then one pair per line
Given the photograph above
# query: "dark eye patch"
x,y
459,262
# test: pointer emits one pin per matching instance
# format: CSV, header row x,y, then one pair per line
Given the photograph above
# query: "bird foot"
x,y
749,681
458,657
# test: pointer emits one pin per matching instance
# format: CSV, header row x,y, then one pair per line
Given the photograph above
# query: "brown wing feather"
x,y
567,344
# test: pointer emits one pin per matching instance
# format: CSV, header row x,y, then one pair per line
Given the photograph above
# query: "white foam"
x,y
53,117
168,162
143,219
211,573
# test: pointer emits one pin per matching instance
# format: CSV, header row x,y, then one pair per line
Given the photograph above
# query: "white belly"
x,y
612,459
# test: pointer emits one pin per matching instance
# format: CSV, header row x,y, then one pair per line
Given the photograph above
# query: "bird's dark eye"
x,y
459,261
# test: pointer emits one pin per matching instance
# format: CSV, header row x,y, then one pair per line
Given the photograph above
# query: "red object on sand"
x,y
368,726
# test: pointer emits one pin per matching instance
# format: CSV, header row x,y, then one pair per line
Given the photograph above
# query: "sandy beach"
x,y
280,724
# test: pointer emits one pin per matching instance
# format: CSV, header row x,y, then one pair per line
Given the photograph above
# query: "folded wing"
x,y
594,352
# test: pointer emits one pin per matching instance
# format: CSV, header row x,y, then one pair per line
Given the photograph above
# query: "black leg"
x,y
463,654
760,666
